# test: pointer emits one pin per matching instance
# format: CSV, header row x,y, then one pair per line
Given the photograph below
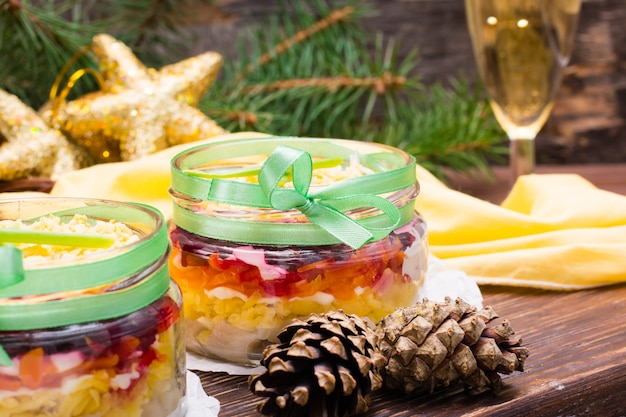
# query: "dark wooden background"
x,y
588,123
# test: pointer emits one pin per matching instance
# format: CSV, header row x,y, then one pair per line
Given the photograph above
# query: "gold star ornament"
x,y
29,147
138,110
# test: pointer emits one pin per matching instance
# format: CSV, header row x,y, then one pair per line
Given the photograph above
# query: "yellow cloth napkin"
x,y
552,231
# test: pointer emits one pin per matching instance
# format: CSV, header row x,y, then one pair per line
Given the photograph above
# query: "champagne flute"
x,y
521,48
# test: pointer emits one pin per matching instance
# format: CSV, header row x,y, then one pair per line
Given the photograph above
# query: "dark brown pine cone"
x,y
326,365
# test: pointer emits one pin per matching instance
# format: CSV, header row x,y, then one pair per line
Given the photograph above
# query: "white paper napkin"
x,y
199,404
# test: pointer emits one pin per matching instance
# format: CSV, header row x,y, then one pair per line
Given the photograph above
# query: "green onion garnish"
x,y
55,238
246,172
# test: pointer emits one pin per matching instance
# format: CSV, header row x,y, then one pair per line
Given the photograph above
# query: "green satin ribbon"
x,y
144,262
87,308
11,266
324,207
11,273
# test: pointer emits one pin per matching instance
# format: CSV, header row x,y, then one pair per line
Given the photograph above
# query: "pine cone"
x,y
434,345
325,366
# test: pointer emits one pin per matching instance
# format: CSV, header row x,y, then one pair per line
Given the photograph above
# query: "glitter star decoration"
x,y
138,110
29,147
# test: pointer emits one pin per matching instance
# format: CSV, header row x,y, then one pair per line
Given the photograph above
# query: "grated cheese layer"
x,y
36,254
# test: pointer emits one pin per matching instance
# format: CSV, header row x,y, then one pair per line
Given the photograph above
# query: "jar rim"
x,y
385,158
393,170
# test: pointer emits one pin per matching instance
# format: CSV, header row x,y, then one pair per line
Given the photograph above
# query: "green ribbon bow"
x,y
326,213
11,266
324,207
11,273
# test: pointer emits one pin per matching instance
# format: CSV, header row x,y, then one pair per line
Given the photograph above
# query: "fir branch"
x,y
242,118
36,44
334,85
37,39
150,20
153,28
333,18
244,112
11,5
380,84
448,127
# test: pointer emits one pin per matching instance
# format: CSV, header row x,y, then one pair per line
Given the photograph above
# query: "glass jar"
x,y
272,229
89,318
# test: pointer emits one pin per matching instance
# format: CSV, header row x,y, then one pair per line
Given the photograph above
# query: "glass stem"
x,y
522,157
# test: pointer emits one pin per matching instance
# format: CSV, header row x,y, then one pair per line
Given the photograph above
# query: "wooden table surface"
x,y
577,342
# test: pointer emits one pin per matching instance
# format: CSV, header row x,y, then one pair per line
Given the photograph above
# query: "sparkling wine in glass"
x,y
521,48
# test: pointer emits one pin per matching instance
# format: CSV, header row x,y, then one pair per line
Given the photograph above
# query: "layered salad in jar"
x,y
239,295
126,366
237,298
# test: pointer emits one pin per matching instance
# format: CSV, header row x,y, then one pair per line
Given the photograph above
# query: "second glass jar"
x,y
250,255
